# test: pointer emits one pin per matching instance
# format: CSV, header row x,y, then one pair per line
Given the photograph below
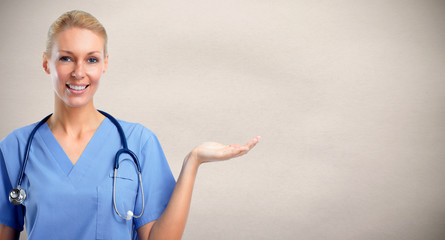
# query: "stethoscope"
x,y
18,195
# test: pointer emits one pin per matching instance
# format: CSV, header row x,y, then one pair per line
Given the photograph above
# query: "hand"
x,y
212,151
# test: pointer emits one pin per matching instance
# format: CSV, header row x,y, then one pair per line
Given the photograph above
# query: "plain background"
x,y
348,95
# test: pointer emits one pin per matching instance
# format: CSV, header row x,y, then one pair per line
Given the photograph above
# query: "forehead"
x,y
78,40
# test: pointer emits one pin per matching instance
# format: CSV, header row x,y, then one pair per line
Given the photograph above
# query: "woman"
x,y
72,191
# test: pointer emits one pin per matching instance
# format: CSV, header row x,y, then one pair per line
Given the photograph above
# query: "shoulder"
x,y
137,131
12,148
144,143
17,137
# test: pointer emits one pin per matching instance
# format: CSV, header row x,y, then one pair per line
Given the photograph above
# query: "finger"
x,y
252,142
246,149
242,153
243,150
230,152
235,145
237,150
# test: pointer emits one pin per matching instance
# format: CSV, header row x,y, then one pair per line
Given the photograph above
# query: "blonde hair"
x,y
75,18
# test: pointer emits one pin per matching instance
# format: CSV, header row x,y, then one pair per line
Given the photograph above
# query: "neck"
x,y
74,120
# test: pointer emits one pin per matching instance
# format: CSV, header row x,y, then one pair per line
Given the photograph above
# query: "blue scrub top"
x,y
66,201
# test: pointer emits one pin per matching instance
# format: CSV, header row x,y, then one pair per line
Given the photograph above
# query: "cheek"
x,y
95,74
61,73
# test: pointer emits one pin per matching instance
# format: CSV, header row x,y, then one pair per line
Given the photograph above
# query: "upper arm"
x,y
157,181
9,233
143,231
11,215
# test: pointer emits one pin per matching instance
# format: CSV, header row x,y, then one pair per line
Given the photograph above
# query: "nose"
x,y
79,71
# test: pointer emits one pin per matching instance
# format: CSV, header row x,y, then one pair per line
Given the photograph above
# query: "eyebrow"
x,y
69,52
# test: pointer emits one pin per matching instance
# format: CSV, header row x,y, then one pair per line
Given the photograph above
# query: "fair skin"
x,y
76,64
77,61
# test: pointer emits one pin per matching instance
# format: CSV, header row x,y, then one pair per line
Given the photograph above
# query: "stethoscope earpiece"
x,y
17,196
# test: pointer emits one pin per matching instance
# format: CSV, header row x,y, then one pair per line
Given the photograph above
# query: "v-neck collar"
x,y
86,159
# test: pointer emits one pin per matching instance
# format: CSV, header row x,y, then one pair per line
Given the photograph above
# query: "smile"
x,y
77,88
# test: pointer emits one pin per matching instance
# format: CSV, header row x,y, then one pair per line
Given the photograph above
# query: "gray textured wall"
x,y
348,96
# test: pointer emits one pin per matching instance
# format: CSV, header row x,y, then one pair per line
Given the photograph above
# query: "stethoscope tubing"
x,y
28,147
123,150
124,143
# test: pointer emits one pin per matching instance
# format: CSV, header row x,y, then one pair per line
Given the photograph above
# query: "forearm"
x,y
171,224
8,233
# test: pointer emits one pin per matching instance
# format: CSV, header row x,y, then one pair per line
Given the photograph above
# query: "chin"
x,y
77,103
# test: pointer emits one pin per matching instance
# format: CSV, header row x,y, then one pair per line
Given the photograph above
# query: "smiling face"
x,y
76,65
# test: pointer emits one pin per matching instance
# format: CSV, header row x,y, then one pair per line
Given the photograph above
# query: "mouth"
x,y
77,88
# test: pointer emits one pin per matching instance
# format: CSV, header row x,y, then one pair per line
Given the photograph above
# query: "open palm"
x,y
212,151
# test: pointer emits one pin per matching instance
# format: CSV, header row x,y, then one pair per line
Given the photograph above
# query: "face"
x,y
76,65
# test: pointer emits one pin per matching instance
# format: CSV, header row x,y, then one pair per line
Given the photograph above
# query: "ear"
x,y
105,64
45,63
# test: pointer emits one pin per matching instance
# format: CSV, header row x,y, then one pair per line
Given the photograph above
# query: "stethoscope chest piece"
x,y
17,196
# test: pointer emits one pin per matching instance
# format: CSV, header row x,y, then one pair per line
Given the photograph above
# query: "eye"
x,y
65,59
93,60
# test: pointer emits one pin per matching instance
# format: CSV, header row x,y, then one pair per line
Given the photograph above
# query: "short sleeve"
x,y
11,215
157,179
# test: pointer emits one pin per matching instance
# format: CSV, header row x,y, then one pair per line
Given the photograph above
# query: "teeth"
x,y
78,88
